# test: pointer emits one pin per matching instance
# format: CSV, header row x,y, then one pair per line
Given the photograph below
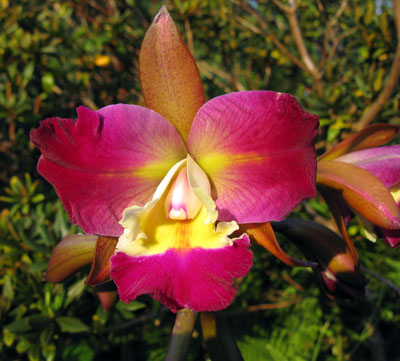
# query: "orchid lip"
x,y
181,215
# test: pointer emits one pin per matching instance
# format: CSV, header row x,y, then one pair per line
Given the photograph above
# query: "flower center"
x,y
181,202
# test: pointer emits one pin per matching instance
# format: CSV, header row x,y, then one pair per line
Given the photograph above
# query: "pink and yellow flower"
x,y
173,183
384,164
366,180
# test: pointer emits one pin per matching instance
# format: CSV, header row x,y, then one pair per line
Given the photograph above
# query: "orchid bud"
x,y
72,253
338,268
107,294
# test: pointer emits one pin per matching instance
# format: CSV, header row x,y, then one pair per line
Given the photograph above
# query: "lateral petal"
x,y
374,135
199,279
100,271
361,190
382,162
264,235
105,161
257,148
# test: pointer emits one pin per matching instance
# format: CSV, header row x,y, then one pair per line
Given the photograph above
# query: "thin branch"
x,y
284,8
266,32
329,33
299,41
372,111
136,320
274,306
324,47
339,13
338,40
381,279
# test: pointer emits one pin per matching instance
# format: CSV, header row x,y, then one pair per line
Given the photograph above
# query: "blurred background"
x,y
337,57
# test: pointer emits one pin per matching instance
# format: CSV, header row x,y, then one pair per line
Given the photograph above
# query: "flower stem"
x,y
181,335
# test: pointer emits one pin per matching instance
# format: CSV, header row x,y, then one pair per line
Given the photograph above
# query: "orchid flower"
x,y
367,178
173,181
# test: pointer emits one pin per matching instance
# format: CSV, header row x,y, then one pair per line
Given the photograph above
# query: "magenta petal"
x,y
257,148
106,161
199,279
382,162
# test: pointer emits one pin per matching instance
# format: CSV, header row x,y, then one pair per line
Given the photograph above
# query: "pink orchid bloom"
x,y
368,178
384,164
173,183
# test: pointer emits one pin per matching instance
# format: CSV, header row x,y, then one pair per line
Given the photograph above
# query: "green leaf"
x,y
19,326
38,321
255,349
81,352
8,338
72,325
370,13
48,82
49,352
34,353
75,290
28,72
23,345
47,334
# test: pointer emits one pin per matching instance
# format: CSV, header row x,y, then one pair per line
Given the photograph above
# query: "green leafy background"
x,y
57,55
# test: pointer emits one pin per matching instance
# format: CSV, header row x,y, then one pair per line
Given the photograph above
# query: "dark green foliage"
x,y
57,55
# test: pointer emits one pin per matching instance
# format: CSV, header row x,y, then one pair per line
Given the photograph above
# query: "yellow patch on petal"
x,y
154,170
215,162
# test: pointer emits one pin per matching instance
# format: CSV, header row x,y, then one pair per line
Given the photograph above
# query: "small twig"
x,y
135,321
273,306
299,41
266,32
284,8
339,13
381,279
337,40
329,32
296,285
391,81
324,47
